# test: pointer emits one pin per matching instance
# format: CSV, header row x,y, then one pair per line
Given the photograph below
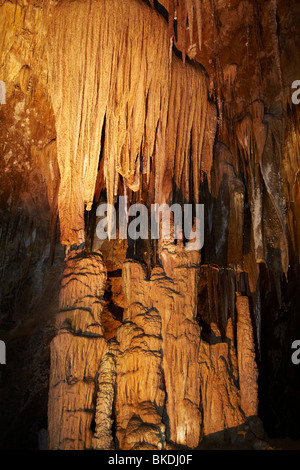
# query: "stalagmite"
x,y
103,437
219,391
181,339
76,352
246,358
139,373
154,331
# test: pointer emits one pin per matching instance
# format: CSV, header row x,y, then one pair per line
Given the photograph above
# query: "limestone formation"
x,y
76,352
144,344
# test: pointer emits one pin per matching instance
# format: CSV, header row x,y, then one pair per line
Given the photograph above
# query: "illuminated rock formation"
x,y
76,352
144,344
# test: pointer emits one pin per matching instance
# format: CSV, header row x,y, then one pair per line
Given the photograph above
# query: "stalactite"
x,y
189,116
185,11
198,8
181,27
120,74
190,15
208,145
105,79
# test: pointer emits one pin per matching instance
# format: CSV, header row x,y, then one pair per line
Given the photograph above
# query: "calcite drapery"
x,y
122,83
106,69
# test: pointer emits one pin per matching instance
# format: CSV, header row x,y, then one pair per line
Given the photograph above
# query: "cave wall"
x,y
142,344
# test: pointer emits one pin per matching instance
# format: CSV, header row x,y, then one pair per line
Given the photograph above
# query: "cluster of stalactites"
x,y
113,80
186,12
185,24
